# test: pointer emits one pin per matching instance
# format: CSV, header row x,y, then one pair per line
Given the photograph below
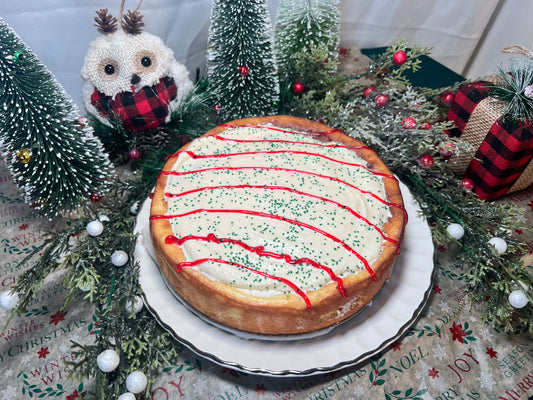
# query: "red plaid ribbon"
x,y
466,99
505,152
140,111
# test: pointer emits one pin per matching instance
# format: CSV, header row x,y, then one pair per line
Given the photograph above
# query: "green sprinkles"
x,y
277,237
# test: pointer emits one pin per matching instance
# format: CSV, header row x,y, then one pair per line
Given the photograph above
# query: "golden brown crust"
x,y
281,314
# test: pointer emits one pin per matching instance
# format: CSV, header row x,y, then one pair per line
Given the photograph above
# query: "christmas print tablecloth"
x,y
448,353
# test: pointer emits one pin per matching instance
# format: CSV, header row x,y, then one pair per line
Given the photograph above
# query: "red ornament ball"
x,y
134,154
447,97
408,123
244,70
95,197
399,57
381,100
426,126
298,87
368,91
467,184
426,161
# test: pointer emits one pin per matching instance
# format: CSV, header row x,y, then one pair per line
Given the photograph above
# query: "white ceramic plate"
x,y
393,311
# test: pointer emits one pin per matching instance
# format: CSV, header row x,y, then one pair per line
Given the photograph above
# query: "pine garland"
x,y
442,198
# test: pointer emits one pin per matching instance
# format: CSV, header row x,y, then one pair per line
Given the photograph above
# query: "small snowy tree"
x,y
52,155
241,71
304,27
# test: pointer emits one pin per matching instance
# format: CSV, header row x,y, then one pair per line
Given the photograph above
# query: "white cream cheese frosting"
x,y
270,211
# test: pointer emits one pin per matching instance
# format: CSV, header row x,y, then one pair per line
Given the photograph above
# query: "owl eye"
x,y
146,62
109,69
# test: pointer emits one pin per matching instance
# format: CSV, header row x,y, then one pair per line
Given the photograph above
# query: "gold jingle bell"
x,y
24,155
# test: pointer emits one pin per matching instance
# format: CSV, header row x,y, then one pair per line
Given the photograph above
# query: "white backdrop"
x,y
466,36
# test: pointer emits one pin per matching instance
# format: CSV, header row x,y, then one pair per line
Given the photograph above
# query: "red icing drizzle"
x,y
260,251
299,291
350,210
278,218
306,153
273,128
331,178
331,145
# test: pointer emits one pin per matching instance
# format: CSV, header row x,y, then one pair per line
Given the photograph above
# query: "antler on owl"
x,y
131,75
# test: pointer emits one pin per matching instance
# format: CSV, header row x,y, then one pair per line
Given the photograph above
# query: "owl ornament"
x,y
130,76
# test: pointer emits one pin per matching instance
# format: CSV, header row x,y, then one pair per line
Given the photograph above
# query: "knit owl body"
x,y
132,78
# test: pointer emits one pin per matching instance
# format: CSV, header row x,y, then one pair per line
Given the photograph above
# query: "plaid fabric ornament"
x,y
139,111
501,162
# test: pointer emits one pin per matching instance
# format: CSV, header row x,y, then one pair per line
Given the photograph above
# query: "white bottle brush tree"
x,y
241,70
52,155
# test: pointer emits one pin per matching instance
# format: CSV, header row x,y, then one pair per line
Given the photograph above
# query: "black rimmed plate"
x,y
396,307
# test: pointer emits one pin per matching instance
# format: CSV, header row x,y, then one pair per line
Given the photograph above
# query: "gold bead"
x,y
24,155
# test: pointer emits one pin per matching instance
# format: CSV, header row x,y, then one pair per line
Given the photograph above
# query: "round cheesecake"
x,y
276,225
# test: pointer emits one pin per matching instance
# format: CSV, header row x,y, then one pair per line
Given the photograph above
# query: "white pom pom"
x,y
136,382
456,231
119,258
84,287
126,396
94,228
9,300
499,244
108,360
518,299
134,209
528,91
136,303
103,218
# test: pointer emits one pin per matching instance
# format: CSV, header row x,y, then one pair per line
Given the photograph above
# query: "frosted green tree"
x,y
241,71
306,30
53,156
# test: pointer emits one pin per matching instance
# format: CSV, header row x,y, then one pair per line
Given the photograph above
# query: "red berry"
x,y
408,123
426,126
244,70
426,161
447,97
368,91
381,100
134,154
467,184
95,197
382,73
399,57
298,87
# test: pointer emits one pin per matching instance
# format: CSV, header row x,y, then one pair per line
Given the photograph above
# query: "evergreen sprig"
x,y
511,89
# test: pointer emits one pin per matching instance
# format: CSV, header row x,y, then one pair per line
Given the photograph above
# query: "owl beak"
x,y
135,80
